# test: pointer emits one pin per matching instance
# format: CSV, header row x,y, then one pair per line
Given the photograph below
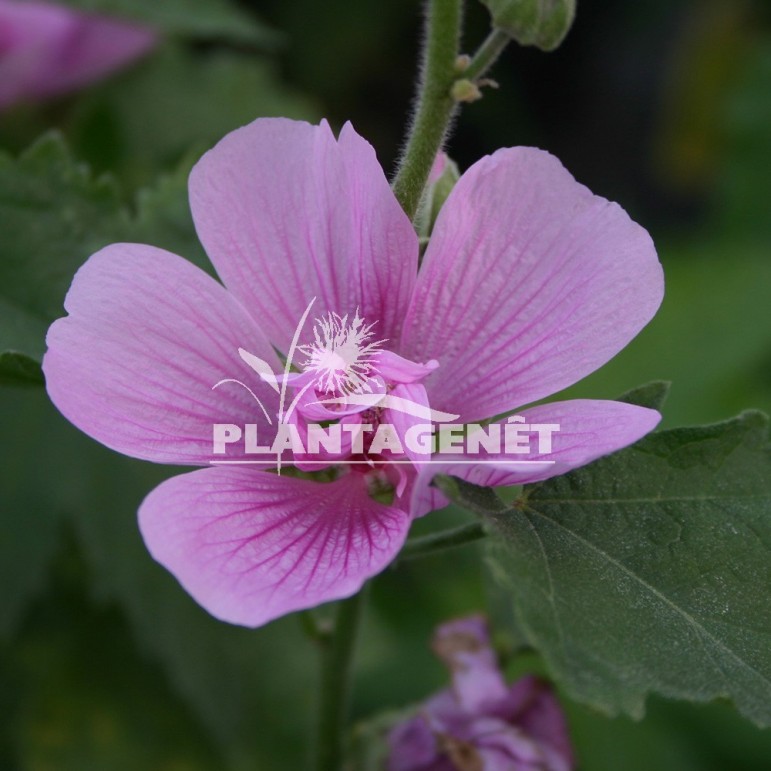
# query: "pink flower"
x,y
481,723
47,50
529,283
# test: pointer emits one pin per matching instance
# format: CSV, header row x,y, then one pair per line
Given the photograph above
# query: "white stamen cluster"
x,y
341,354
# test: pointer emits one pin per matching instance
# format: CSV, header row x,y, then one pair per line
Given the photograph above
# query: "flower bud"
x,y
540,23
441,181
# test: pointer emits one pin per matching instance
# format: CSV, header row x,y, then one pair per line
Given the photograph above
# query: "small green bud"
x,y
462,63
465,90
540,23
444,175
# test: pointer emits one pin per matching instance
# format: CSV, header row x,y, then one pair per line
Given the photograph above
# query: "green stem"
x,y
435,104
336,666
487,54
313,629
447,539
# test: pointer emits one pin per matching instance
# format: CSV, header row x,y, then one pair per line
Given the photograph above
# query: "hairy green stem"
x,y
434,113
487,54
435,103
447,539
336,667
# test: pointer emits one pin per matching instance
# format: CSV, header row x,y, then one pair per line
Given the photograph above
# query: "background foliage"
x,y
104,662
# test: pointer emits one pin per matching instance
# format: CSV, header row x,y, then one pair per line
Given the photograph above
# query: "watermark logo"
x,y
339,402
342,355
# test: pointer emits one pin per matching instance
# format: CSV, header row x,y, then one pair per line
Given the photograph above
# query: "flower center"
x,y
350,401
341,354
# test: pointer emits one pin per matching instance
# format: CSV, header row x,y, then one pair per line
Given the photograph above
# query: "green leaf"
x,y
473,497
194,18
179,100
651,395
251,689
368,747
648,570
540,23
53,214
164,220
31,514
80,696
17,369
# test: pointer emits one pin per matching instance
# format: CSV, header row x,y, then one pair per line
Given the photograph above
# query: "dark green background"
x,y
105,663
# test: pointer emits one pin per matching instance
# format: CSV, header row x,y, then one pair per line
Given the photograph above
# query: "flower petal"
x,y
406,397
250,546
464,646
397,369
148,337
323,458
533,707
100,46
501,747
413,746
588,429
287,213
529,283
46,49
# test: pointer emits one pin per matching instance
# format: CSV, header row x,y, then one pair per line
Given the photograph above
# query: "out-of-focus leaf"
x,y
30,515
19,369
657,742
195,18
87,700
163,218
672,737
251,689
53,214
177,101
368,747
649,570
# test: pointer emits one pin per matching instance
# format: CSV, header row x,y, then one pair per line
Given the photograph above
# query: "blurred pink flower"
x,y
47,49
528,284
481,723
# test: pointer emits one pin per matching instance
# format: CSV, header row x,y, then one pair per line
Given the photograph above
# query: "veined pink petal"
x,y
250,546
47,49
287,213
589,429
529,283
147,338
